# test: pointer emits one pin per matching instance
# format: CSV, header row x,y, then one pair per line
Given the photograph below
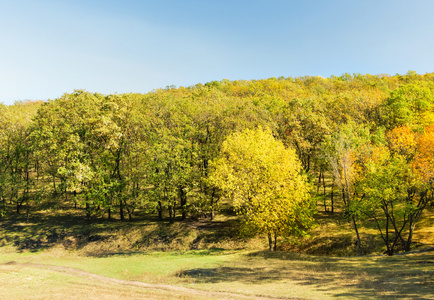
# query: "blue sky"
x,y
49,47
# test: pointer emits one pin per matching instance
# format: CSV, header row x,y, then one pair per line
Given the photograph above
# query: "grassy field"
x,y
57,254
214,274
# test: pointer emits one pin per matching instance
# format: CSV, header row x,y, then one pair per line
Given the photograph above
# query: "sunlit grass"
x,y
207,256
263,273
24,282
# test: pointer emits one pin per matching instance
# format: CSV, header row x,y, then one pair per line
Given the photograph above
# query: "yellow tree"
x,y
423,162
264,180
403,141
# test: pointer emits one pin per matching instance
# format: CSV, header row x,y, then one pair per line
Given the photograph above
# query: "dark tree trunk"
x,y
160,211
212,203
172,213
130,213
183,201
270,242
88,212
324,192
121,210
275,242
27,211
331,196
19,203
359,244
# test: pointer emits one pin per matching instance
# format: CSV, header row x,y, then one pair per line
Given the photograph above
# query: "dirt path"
x,y
163,287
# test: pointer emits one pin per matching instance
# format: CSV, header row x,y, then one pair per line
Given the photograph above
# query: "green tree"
x,y
17,160
410,104
393,197
80,140
265,182
343,150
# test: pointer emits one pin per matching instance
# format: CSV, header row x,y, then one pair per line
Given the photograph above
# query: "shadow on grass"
x,y
44,229
365,277
67,226
207,252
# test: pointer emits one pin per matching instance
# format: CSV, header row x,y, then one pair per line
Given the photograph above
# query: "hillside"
x,y
139,171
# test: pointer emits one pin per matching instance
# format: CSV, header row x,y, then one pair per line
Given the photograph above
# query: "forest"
x,y
274,152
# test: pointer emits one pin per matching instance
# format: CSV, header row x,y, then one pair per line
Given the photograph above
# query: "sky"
x,y
51,47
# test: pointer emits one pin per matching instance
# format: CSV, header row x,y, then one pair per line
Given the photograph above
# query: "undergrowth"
x,y
66,227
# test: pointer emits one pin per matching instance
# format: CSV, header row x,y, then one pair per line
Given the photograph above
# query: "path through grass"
x,y
239,272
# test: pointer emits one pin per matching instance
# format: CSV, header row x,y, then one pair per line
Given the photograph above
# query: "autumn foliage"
x,y
360,145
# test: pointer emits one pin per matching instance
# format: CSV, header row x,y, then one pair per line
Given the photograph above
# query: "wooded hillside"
x,y
359,144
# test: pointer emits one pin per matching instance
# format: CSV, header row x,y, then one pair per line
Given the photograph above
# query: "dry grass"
x,y
24,282
253,274
59,224
335,236
204,255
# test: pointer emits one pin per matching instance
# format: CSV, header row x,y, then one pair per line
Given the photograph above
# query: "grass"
x,y
65,225
56,222
206,256
253,273
23,282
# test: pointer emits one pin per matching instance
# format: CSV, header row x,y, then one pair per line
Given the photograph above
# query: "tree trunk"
x,y
359,246
212,203
324,192
27,210
130,213
331,196
270,242
172,213
344,199
183,201
121,210
88,212
54,185
275,242
407,245
160,211
19,205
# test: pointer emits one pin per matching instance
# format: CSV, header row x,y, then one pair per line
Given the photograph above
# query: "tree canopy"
x,y
264,180
269,149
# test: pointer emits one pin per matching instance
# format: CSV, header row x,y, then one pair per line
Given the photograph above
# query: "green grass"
x,y
254,273
207,256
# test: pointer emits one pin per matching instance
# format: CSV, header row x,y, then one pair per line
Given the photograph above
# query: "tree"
x,y
306,125
79,139
265,182
396,185
410,104
17,161
424,160
394,196
387,195
342,150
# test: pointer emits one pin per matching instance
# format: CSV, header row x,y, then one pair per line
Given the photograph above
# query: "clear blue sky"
x,y
49,47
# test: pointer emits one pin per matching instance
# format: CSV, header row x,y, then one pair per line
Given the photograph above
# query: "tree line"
x,y
275,150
